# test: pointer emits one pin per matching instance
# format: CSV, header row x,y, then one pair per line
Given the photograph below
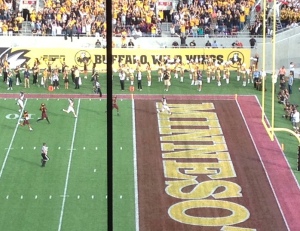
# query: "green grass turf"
x,y
85,201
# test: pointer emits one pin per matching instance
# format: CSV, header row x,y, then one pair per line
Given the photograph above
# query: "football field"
x,y
70,193
161,164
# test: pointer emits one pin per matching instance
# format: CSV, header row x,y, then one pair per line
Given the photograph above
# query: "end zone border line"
x,y
68,170
136,193
263,165
11,141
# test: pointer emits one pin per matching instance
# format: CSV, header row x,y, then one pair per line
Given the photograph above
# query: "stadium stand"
x,y
140,18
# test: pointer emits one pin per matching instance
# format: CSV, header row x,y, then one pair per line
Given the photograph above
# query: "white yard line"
x,y
68,170
136,190
11,141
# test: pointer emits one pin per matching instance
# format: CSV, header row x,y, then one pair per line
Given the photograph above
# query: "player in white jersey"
x,y
21,100
164,106
71,107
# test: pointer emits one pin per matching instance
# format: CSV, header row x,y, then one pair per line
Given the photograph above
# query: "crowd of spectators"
x,y
138,18
131,17
202,18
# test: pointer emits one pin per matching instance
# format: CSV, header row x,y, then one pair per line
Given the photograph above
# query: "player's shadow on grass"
x,y
25,161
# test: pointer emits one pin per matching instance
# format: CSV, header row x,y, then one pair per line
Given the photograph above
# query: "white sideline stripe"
x,y
270,183
11,141
136,193
68,170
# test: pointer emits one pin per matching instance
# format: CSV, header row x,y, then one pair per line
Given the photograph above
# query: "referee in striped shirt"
x,y
44,154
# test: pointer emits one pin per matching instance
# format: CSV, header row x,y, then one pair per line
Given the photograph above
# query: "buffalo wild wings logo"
x,y
82,57
236,57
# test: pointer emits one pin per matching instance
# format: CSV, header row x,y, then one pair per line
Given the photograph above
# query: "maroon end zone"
x,y
267,210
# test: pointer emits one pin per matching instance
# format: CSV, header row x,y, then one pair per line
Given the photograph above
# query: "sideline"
x,y
11,141
68,170
136,193
263,165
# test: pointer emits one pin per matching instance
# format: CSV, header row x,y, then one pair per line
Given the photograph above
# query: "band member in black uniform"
x,y
35,70
73,74
63,67
66,78
5,70
49,69
44,154
93,69
18,76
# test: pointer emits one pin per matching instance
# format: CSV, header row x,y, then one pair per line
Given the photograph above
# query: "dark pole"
x,y
109,117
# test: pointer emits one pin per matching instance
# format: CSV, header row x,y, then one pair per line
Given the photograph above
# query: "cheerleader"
x,y
250,74
199,78
10,80
213,70
127,71
238,71
195,76
227,72
218,74
49,69
181,71
44,78
148,70
55,79
131,76
191,70
243,73
208,72
85,70
160,71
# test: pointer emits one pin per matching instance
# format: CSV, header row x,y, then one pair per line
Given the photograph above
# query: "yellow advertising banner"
x,y
97,56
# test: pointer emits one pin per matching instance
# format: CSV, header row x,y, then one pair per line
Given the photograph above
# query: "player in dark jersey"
x,y
26,120
115,104
43,109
